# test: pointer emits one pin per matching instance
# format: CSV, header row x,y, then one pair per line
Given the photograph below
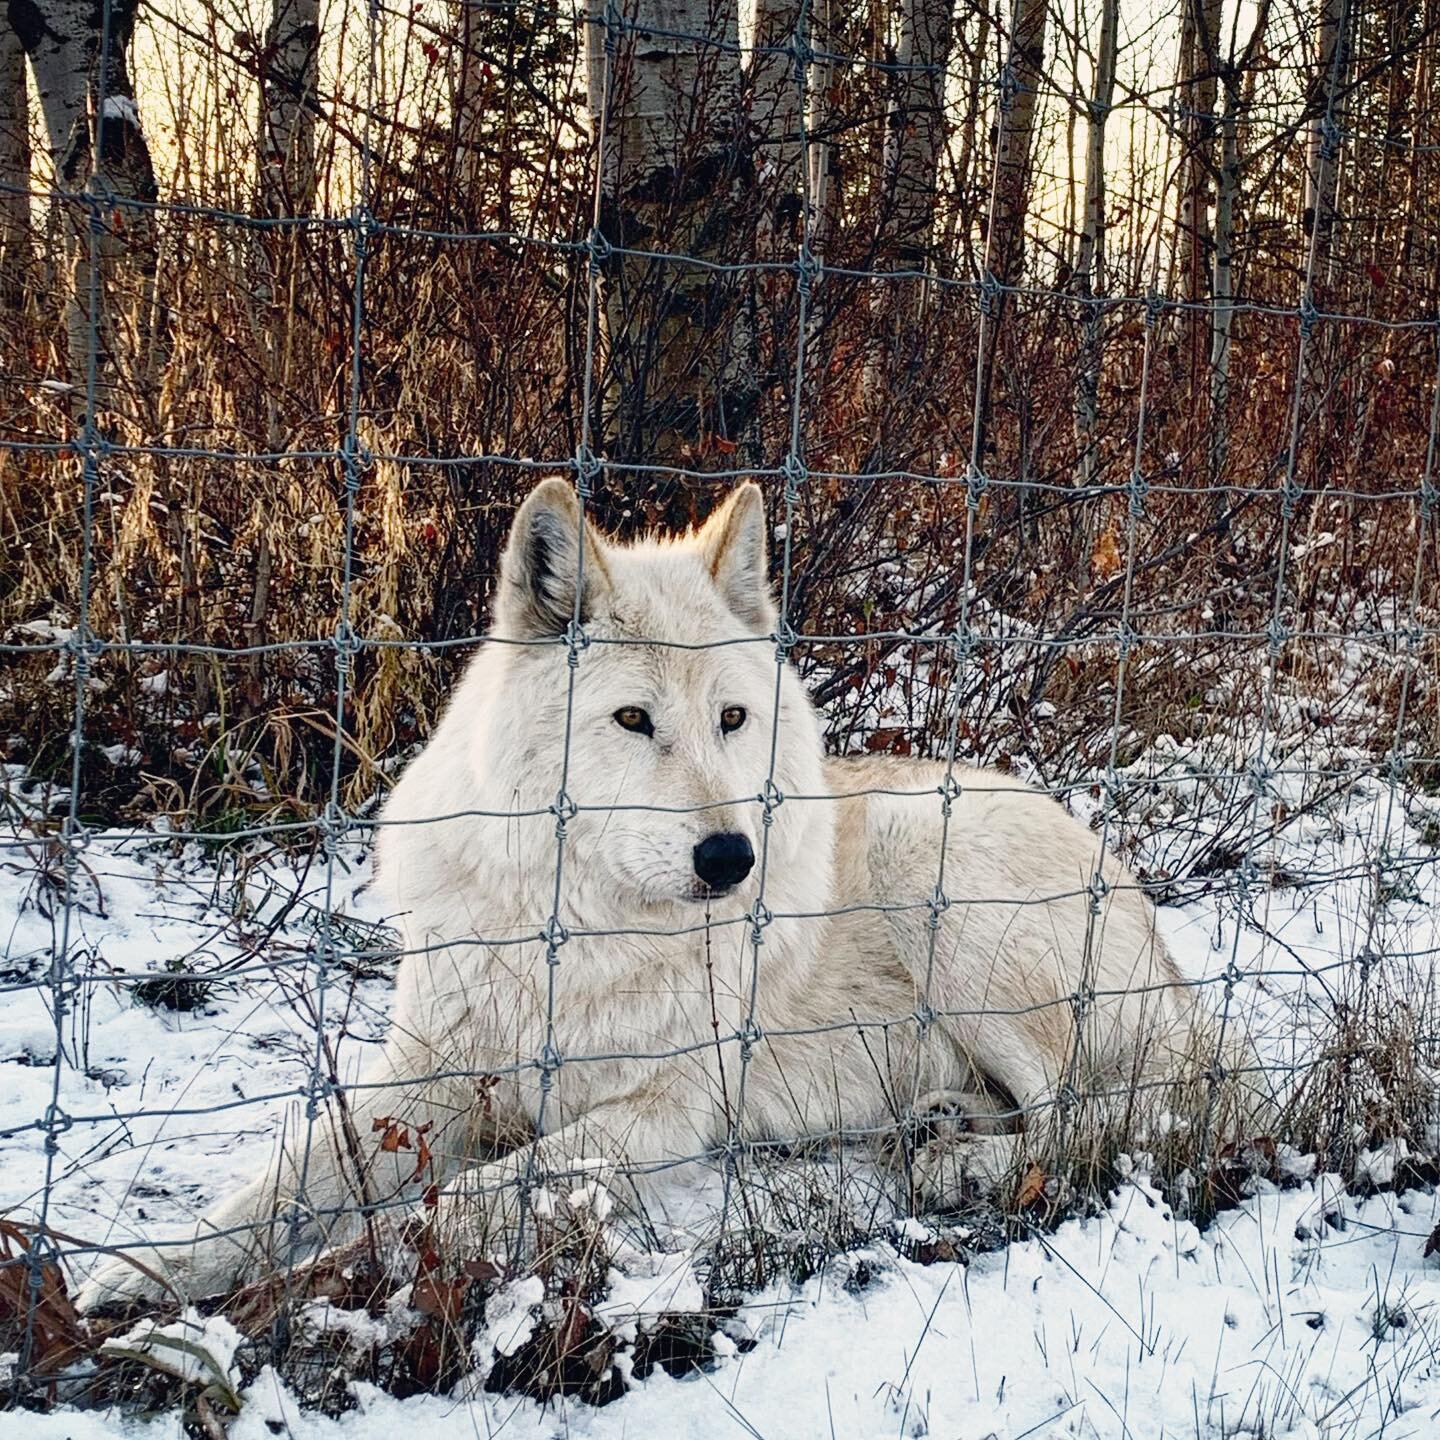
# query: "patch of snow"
x,y
121,107
511,1315
1378,1166
196,1349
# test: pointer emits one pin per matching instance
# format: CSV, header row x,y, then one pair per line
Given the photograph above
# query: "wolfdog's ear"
x,y
732,541
542,564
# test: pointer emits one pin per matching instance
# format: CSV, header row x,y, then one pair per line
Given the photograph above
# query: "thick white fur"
x,y
638,973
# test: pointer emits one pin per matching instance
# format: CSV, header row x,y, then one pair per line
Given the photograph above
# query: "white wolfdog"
x,y
673,1031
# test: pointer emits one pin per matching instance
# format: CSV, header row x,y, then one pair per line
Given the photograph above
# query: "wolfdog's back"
x,y
1022,924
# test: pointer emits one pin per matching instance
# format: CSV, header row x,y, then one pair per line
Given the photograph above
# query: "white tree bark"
x,y
1321,153
87,98
1090,253
777,125
824,193
1238,78
62,43
289,83
915,133
673,177
1005,237
16,251
914,140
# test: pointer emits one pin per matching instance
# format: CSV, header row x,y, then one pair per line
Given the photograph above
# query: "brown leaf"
x,y
439,1299
59,1336
487,1272
570,1330
396,1136
1032,1188
423,1157
1105,559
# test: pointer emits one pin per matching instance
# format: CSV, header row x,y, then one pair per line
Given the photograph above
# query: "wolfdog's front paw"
x,y
484,1205
118,1284
960,1166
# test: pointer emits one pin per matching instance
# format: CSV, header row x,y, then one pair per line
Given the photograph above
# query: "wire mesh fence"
x,y
961,653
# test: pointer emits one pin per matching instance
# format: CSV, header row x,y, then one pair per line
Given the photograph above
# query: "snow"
x,y
196,1349
1307,1310
1301,1313
511,1315
121,107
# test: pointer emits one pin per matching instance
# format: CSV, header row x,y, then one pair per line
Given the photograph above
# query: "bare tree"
x,y
1238,78
777,123
1005,235
1421,81
824,193
289,81
675,177
1322,148
1089,276
79,56
914,142
15,247
1322,171
915,134
1200,70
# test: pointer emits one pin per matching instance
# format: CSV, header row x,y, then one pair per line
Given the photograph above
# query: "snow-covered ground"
x,y
1308,1311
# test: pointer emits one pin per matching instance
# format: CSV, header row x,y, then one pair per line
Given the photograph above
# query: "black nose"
x,y
723,860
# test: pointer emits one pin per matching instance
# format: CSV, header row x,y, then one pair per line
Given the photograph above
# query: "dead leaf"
x,y
1032,1188
396,1136
1105,559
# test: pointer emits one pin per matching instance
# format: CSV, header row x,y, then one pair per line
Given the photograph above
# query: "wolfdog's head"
x,y
675,716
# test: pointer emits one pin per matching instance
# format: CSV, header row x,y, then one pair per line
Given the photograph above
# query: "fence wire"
x,y
967,646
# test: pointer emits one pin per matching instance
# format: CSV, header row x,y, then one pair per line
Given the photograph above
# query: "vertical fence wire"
x,y
588,469
354,462
963,640
43,1252
1137,489
1247,876
807,270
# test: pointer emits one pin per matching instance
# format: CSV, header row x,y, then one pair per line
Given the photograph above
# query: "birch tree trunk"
x,y
16,251
289,83
1201,58
963,216
1238,77
914,141
1223,292
289,88
824,192
1321,151
93,131
1005,238
1090,253
777,126
1090,276
915,134
1420,101
675,177
1321,181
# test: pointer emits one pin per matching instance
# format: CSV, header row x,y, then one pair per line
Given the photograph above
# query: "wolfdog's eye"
x,y
732,717
632,717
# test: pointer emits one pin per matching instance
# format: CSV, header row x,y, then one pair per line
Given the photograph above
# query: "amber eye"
x,y
732,717
632,717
